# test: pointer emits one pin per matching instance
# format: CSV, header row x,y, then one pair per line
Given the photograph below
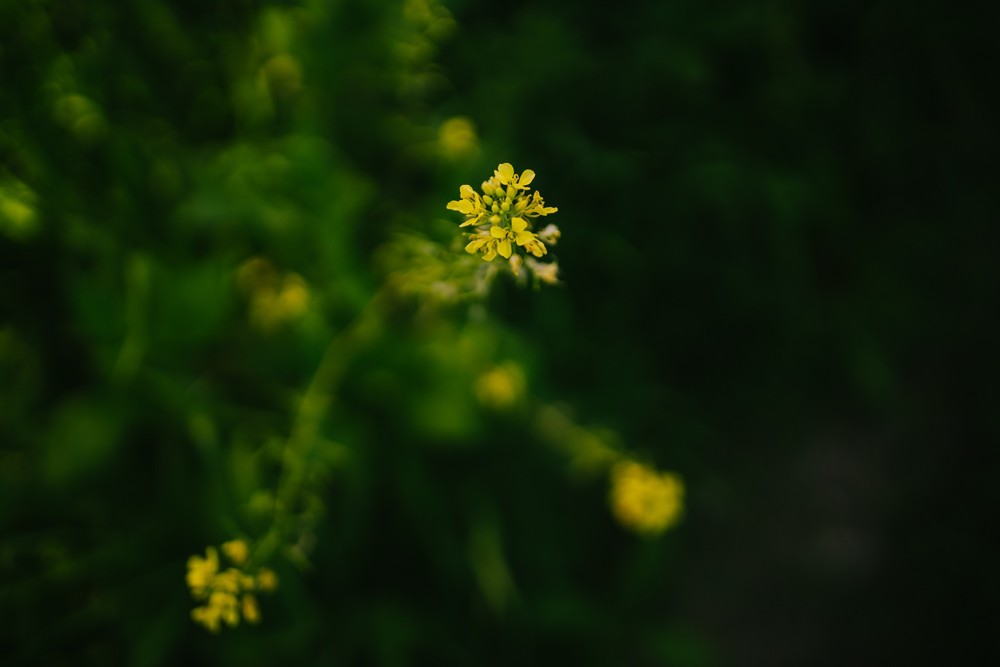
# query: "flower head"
x,y
237,551
645,500
227,594
201,571
502,217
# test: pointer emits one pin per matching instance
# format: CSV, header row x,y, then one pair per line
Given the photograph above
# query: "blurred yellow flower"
x,y
250,610
644,500
267,580
227,595
500,387
275,299
457,137
237,551
201,571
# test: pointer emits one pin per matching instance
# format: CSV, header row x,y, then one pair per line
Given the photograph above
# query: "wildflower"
x,y
227,594
201,571
645,500
502,216
237,551
267,580
250,610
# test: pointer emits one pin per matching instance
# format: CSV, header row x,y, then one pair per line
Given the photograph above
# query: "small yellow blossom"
x,y
208,616
227,595
275,299
237,551
228,581
645,500
267,580
250,610
202,571
502,216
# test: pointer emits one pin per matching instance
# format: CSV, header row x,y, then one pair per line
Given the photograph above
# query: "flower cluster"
x,y
228,594
503,217
645,500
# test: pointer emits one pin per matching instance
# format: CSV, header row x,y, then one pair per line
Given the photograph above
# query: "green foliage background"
x,y
779,277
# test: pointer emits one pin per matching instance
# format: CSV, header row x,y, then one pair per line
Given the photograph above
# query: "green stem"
x,y
309,416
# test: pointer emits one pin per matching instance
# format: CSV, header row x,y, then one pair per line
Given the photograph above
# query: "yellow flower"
x,y
519,233
267,580
250,610
237,551
228,595
208,616
275,299
644,500
228,581
221,607
506,176
201,571
502,215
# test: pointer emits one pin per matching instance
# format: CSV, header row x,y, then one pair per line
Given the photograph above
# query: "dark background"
x,y
778,255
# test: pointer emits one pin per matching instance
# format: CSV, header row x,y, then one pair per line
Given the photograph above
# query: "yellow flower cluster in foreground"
x,y
644,500
228,594
503,219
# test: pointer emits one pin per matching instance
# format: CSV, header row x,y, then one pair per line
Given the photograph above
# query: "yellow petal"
x,y
466,192
498,232
527,176
474,245
491,252
267,580
505,172
462,206
518,225
251,612
504,248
